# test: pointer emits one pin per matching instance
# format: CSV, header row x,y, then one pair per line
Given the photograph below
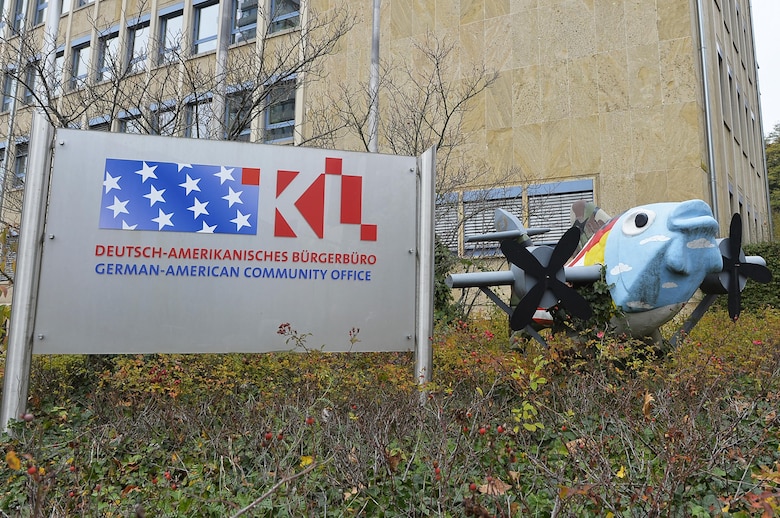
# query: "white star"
x,y
241,220
182,166
190,185
111,182
206,229
225,174
155,196
198,209
233,197
125,226
119,207
147,172
163,219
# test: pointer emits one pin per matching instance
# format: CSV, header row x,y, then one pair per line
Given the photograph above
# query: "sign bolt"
x,y
51,236
40,337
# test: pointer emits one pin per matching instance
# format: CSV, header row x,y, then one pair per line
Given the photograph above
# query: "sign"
x,y
156,244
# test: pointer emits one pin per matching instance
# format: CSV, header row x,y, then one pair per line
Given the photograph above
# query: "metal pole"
x,y
20,339
219,122
426,170
373,85
707,112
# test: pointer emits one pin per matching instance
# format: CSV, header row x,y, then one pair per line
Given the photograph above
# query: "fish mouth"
x,y
645,323
693,216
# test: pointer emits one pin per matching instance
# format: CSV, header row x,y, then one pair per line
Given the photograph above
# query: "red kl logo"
x,y
311,203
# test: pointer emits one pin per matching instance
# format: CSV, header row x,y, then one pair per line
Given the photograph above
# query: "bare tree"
x,y
154,86
153,95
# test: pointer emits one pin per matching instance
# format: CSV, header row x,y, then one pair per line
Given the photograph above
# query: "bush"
x,y
600,428
755,296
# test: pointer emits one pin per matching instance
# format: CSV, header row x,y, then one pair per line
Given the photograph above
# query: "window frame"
x,y
166,54
130,122
237,31
210,40
245,105
59,71
560,195
108,46
135,62
286,21
196,117
268,126
17,16
21,150
102,123
479,207
77,77
8,91
30,80
40,11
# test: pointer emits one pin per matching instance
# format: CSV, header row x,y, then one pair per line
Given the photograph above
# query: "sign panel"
x,y
157,244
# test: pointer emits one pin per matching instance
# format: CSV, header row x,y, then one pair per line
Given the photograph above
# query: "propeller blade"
x,y
757,272
734,304
735,237
524,312
563,250
575,304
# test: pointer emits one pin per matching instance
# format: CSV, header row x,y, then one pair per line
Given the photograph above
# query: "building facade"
x,y
532,103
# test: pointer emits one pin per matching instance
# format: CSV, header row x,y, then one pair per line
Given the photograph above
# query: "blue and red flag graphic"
x,y
174,197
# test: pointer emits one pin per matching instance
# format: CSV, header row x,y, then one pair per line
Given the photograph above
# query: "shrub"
x,y
756,295
593,427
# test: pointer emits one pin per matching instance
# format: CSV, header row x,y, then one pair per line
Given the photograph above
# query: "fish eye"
x,y
638,221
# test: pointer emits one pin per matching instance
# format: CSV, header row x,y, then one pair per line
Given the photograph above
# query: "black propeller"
x,y
549,279
737,269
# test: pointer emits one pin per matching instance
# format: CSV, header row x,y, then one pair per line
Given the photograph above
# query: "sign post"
x,y
170,245
19,352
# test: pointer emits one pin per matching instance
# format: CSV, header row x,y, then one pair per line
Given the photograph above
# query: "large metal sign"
x,y
157,244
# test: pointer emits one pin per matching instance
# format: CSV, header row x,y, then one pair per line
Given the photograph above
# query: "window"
x,y
100,124
131,124
20,165
206,23
59,69
11,247
238,110
108,51
171,26
280,113
82,3
8,91
40,11
17,15
285,14
479,209
549,206
79,71
244,21
164,121
198,117
30,76
137,47
65,6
